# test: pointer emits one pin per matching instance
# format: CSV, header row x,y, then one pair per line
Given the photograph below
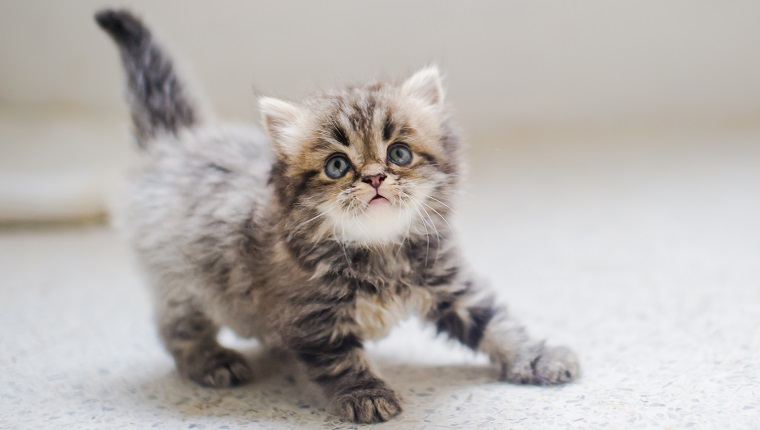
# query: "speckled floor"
x,y
642,253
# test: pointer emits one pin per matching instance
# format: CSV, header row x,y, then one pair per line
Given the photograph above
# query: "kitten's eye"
x,y
399,153
336,166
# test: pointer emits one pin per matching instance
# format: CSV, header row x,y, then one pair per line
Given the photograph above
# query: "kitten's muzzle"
x,y
374,180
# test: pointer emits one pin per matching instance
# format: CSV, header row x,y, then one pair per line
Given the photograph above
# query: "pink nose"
x,y
374,180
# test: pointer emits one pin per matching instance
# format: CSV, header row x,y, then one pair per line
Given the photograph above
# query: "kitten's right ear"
x,y
280,120
425,85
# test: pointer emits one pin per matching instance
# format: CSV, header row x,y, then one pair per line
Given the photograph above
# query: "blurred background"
x,y
517,73
613,198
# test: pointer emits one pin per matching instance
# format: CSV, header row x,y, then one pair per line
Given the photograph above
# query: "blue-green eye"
x,y
336,166
399,153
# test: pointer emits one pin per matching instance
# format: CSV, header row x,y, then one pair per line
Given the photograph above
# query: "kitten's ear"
x,y
280,119
425,85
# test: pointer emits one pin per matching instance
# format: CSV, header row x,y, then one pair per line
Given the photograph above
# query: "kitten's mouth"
x,y
378,200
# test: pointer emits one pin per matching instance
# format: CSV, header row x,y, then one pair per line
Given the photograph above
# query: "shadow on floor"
x,y
280,392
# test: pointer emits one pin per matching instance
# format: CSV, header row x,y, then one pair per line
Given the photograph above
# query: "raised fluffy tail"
x,y
157,98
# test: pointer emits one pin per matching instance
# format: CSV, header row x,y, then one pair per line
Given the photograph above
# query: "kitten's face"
x,y
367,165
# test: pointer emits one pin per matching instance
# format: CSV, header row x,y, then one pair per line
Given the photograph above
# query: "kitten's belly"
x,y
240,313
247,327
376,316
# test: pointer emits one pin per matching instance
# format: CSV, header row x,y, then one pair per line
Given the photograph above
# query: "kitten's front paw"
x,y
547,366
369,405
219,368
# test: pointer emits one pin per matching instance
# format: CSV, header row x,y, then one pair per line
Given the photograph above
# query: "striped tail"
x,y
157,98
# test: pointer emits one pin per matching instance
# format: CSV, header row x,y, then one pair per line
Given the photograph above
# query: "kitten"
x,y
315,239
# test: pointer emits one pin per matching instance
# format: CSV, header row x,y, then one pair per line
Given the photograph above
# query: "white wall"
x,y
510,64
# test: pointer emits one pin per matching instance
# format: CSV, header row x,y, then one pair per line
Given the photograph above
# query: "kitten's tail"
x,y
157,97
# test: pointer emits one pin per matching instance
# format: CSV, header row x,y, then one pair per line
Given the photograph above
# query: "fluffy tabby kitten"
x,y
315,239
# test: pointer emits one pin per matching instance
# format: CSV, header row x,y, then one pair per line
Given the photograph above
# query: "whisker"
x,y
438,213
364,212
447,223
432,224
433,198
296,228
343,236
424,224
408,225
361,224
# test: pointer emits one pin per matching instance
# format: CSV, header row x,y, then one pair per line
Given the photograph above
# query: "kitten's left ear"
x,y
425,85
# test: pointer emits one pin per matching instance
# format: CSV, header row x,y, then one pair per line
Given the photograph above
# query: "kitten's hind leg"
x,y
467,313
190,337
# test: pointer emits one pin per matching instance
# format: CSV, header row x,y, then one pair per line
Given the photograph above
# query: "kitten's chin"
x,y
380,223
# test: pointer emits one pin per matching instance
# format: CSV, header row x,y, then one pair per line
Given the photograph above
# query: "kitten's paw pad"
x,y
552,366
371,405
221,369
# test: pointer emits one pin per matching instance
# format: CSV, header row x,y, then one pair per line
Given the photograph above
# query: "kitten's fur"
x,y
235,231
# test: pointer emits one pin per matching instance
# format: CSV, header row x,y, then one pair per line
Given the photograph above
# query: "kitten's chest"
x,y
386,290
376,314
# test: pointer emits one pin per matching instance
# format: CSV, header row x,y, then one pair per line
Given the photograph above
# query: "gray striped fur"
x,y
157,99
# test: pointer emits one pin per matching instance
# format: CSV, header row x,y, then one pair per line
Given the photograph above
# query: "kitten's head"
x,y
365,165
